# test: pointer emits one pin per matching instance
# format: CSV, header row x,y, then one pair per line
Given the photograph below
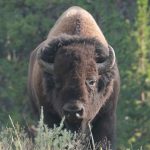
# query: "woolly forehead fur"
x,y
77,21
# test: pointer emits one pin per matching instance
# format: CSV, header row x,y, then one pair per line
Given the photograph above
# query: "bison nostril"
x,y
78,113
73,111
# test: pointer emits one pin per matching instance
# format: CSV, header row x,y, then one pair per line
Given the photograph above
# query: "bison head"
x,y
76,77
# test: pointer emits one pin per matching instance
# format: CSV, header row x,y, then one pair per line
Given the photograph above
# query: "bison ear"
x,y
106,62
46,52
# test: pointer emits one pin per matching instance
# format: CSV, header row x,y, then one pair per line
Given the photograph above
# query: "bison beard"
x,y
74,73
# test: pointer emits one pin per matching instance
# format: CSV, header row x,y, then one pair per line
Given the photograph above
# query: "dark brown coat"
x,y
73,73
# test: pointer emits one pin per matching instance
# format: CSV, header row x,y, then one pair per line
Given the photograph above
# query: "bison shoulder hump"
x,y
76,18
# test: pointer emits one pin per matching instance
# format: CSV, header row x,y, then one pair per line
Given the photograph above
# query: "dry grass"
x,y
16,138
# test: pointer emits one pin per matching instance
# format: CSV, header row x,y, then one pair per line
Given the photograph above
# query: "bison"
x,y
74,73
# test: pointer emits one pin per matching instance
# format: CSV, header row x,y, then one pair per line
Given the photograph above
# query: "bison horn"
x,y
47,67
108,63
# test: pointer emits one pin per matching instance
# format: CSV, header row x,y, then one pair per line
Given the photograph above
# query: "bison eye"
x,y
91,83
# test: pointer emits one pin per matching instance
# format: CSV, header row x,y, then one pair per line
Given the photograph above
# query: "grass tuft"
x,y
17,138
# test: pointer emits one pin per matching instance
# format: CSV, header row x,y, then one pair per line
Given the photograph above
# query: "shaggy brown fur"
x,y
68,76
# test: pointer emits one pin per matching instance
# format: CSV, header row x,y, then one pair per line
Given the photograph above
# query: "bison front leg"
x,y
104,131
